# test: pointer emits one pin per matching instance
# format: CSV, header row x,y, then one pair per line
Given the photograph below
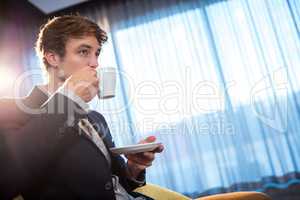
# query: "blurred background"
x,y
215,80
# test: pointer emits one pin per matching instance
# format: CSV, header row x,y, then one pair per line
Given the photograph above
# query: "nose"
x,y
94,62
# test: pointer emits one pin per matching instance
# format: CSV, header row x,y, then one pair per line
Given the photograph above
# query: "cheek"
x,y
74,64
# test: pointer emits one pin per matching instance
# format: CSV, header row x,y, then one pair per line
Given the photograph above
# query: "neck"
x,y
54,82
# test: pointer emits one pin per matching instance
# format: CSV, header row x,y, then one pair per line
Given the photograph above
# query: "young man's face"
x,y
80,53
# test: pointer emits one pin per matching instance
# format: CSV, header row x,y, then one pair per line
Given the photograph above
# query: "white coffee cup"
x,y
107,82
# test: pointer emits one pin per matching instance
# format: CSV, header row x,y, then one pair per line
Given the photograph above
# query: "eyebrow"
x,y
88,46
85,46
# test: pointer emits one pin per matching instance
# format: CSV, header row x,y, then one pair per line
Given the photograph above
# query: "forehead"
x,y
83,41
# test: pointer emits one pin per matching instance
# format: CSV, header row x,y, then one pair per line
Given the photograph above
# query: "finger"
x,y
148,140
143,155
159,149
93,90
95,83
141,161
136,166
147,156
86,97
94,73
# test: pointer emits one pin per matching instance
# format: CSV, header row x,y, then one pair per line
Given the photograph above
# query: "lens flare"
x,y
6,80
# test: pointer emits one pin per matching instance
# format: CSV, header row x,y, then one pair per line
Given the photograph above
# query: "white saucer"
x,y
138,148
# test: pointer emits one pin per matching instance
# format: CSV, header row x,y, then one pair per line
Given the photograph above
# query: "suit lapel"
x,y
99,123
35,98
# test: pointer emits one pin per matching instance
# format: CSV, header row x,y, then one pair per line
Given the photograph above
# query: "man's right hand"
x,y
84,83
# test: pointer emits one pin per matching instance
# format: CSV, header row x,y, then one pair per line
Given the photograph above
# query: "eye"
x,y
98,53
84,52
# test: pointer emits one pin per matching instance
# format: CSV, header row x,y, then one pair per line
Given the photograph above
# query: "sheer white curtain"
x,y
216,82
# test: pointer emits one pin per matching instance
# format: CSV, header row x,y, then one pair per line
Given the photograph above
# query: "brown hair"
x,y
54,34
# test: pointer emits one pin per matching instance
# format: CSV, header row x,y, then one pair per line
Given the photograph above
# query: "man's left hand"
x,y
140,161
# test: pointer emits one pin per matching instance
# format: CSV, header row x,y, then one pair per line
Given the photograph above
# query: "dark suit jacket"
x,y
20,147
54,161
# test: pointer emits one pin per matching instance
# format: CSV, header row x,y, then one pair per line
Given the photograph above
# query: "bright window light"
x,y
7,78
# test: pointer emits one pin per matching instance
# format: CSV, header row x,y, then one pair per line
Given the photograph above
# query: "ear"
x,y
52,58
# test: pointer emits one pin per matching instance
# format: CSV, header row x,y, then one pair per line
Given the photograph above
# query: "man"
x,y
81,167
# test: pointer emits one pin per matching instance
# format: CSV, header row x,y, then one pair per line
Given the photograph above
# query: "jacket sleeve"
x,y
29,150
119,168
11,116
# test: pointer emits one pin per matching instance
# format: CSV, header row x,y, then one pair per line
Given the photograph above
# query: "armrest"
x,y
159,193
237,196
